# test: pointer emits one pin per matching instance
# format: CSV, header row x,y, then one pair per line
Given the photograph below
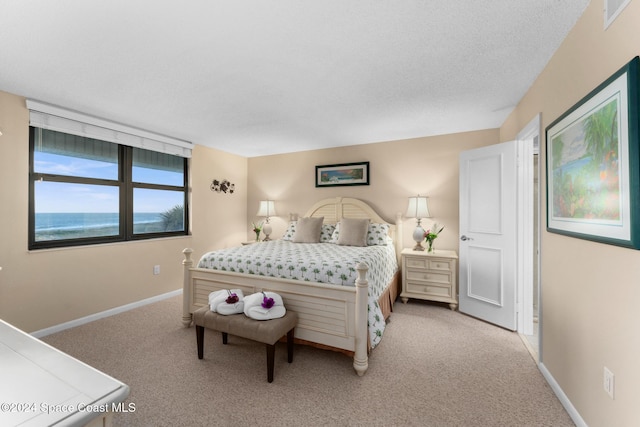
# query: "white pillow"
x,y
353,232
326,233
378,234
291,230
308,230
335,234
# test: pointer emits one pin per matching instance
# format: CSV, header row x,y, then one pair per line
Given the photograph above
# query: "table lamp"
x,y
267,209
418,209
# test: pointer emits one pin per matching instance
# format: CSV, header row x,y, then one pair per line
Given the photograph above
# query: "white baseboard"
x,y
568,406
73,323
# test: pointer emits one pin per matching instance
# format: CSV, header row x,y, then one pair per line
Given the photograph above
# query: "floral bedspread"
x,y
314,262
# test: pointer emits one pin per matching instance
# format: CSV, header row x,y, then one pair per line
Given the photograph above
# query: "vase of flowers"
x,y
257,228
431,235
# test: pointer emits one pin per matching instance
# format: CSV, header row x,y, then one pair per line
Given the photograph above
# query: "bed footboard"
x,y
329,315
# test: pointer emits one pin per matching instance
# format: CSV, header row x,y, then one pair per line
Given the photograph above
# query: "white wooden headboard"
x,y
336,208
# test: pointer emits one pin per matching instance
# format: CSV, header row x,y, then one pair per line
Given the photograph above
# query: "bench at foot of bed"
x,y
264,331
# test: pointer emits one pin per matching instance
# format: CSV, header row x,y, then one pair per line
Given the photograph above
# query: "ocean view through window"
x,y
57,226
87,191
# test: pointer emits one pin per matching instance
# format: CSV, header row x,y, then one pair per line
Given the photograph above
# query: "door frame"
x,y
526,193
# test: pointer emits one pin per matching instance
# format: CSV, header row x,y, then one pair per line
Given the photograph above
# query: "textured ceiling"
x,y
256,77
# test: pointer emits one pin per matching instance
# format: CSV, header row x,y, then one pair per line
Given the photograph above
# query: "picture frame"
x,y
343,174
592,164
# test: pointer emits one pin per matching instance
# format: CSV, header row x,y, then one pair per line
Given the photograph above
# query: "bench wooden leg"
x,y
271,353
225,337
290,346
200,340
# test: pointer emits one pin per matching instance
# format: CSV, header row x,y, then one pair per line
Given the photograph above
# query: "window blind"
x,y
55,118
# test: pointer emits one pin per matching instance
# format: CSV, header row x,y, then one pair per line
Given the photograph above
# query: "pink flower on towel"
x,y
232,298
267,302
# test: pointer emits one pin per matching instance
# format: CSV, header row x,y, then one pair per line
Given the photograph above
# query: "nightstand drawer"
x,y
429,264
429,289
429,276
417,262
440,264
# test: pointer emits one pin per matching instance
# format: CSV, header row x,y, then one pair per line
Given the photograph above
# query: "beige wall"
x,y
40,289
219,220
398,169
590,291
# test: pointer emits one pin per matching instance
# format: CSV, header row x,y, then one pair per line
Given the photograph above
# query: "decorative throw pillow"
x,y
378,234
353,232
291,230
326,233
308,230
336,234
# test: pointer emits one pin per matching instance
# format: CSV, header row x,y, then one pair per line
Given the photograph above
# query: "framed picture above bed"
x,y
342,174
593,164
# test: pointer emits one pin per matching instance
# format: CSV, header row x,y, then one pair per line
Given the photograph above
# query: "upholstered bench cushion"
x,y
264,331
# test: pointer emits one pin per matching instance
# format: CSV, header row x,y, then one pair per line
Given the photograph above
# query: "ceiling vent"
x,y
613,8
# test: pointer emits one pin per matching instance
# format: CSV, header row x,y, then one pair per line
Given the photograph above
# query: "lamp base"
x,y
418,235
266,229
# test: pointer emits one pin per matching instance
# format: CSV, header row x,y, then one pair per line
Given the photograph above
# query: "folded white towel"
x,y
235,308
253,306
218,302
215,298
258,313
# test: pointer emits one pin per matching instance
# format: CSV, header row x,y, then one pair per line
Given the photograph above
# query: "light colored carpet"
x,y
434,367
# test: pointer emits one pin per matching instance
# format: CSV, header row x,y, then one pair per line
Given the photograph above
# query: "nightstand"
x,y
430,276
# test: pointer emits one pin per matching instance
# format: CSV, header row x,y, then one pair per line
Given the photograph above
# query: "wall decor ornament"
x,y
593,164
342,174
222,186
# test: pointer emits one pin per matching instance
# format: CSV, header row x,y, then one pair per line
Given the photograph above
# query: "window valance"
x,y
51,117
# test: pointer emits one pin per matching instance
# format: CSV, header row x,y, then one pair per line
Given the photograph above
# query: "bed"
x,y
342,303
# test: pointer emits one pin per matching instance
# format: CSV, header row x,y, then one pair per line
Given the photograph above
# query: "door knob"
x,y
465,238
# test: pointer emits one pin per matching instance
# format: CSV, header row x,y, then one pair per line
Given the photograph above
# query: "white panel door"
x,y
488,233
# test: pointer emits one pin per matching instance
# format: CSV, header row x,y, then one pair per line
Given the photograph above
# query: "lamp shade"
x,y
267,208
418,207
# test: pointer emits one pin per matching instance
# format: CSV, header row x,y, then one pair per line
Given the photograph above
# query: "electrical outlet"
x,y
156,269
609,382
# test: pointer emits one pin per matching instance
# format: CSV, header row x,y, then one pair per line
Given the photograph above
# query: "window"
x,y
159,187
84,190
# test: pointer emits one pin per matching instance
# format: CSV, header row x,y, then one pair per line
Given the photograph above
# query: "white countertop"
x,y
42,386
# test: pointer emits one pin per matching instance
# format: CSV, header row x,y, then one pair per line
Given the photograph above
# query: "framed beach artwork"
x,y
342,174
593,171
